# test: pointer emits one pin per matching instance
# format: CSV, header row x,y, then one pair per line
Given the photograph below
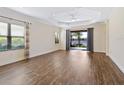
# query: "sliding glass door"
x,y
78,40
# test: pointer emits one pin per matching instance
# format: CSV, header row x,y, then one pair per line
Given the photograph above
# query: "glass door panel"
x,y
78,40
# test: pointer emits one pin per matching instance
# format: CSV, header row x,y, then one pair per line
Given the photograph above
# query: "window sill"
x,y
12,49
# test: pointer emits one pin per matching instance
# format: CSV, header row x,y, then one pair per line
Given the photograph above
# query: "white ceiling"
x,y
67,16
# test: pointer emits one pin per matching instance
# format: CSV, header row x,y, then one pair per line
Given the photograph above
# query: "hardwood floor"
x,y
63,67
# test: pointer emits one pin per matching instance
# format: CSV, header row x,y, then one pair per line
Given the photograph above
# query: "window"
x,y
17,34
78,40
11,36
3,36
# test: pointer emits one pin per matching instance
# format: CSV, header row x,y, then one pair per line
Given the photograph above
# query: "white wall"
x,y
107,37
41,38
99,35
7,57
116,37
63,39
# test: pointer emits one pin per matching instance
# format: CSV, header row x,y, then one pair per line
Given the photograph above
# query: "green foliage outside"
x,y
79,45
81,37
17,42
3,43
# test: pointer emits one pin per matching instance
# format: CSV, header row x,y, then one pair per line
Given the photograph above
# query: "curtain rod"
x,y
15,19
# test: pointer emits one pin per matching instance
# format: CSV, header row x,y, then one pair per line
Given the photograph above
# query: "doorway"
x,y
78,40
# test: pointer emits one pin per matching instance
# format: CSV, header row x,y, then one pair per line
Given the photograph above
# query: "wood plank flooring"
x,y
63,67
